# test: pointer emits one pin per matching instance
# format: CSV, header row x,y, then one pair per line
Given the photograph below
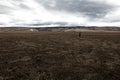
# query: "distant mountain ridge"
x,y
63,28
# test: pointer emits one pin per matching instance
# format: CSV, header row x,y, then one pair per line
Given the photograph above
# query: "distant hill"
x,y
63,28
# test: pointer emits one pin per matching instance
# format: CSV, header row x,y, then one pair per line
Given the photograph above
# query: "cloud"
x,y
89,8
59,12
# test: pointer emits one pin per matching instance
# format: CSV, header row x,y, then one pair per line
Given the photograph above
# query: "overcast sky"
x,y
59,12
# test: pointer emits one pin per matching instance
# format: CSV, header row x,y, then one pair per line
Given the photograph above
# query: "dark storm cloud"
x,y
86,7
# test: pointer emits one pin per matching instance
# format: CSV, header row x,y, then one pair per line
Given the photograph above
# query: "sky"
x,y
49,13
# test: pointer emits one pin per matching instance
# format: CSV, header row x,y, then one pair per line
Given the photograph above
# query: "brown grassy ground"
x,y
60,56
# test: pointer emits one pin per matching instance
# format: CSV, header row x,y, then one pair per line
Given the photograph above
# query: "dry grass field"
x,y
60,56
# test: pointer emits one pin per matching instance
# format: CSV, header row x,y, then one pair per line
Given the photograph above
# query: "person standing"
x,y
79,34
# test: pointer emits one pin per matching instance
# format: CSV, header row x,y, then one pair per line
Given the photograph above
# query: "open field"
x,y
60,56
